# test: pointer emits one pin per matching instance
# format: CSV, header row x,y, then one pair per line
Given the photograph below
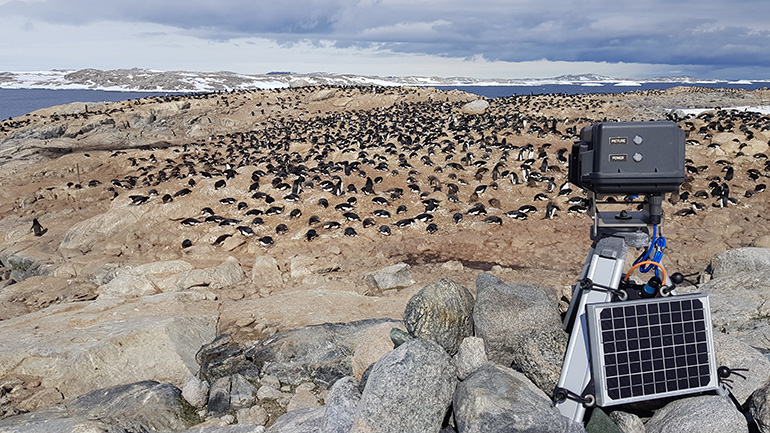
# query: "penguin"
x,y
186,243
457,217
384,230
350,231
266,241
432,228
550,210
310,235
37,229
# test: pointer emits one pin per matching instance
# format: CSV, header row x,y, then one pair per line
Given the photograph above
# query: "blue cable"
x,y
658,245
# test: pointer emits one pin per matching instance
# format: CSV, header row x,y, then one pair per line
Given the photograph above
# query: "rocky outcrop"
x,y
707,414
521,328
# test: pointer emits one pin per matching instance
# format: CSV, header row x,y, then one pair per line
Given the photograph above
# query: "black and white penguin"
x,y
38,229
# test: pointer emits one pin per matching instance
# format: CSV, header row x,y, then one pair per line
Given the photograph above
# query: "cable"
x,y
656,248
651,263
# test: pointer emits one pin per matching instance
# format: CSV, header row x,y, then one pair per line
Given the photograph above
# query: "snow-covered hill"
x,y
184,81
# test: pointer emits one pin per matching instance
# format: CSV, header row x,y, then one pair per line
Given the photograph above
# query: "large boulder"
x,y
478,106
740,305
309,420
78,347
318,353
341,406
751,367
704,414
441,312
392,277
408,390
496,398
521,328
749,259
226,274
142,406
759,407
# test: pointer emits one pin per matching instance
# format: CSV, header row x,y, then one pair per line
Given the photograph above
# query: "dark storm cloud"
x,y
710,33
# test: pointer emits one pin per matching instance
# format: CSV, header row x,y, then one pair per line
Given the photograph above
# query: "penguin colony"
x,y
416,167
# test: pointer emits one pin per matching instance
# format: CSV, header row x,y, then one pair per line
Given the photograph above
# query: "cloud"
x,y
702,33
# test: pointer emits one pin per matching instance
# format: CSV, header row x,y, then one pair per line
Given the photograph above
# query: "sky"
x,y
723,39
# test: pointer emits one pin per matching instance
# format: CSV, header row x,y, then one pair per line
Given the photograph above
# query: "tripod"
x,y
612,235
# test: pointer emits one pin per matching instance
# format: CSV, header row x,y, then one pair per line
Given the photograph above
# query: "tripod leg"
x,y
605,267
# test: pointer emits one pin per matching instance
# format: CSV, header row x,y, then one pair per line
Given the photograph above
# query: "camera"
x,y
629,157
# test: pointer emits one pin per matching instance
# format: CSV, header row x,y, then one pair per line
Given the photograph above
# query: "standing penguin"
x,y
37,228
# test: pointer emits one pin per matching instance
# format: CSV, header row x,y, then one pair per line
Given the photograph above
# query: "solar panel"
x,y
651,348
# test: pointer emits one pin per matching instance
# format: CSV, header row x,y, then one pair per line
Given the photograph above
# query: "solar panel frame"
x,y
651,348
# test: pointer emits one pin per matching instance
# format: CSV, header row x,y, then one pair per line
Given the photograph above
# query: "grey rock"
x,y
23,267
228,429
736,354
759,407
703,414
226,274
441,312
223,357
740,306
142,406
242,392
319,353
195,391
268,392
399,337
478,106
748,259
496,398
299,421
470,356
408,390
393,277
219,396
627,422
341,406
265,272
521,328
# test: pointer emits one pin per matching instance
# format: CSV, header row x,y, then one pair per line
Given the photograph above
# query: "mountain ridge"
x,y
139,79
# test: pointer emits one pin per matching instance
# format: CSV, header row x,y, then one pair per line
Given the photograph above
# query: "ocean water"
x,y
17,102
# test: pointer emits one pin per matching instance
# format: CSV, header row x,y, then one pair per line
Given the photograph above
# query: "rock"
x,y
223,357
79,347
219,396
762,242
747,361
302,399
478,106
452,265
749,259
146,279
341,406
521,327
393,277
268,392
195,391
255,415
373,345
23,267
242,392
320,353
470,356
496,398
226,274
600,422
228,429
441,312
82,237
627,422
299,421
704,414
408,390
759,407
740,306
399,337
142,406
265,272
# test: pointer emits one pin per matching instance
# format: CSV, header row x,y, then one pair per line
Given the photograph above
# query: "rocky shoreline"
x,y
108,315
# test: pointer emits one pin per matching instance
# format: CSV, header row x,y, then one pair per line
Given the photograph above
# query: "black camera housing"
x,y
629,158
